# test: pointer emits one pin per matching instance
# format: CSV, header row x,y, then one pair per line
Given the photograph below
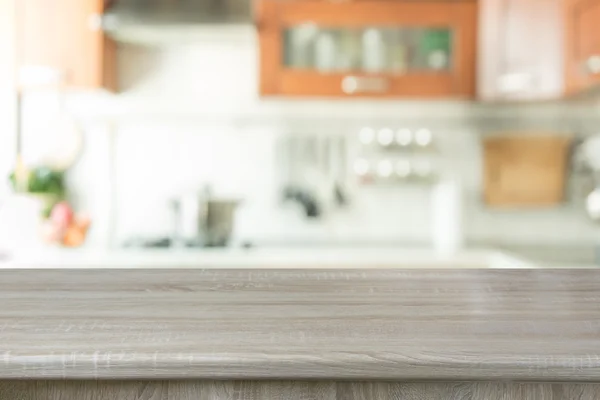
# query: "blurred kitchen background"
x,y
319,122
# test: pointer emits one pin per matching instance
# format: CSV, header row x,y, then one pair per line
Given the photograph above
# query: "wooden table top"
x,y
297,324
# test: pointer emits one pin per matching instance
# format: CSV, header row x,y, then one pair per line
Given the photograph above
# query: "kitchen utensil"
x,y
298,181
338,168
318,181
204,218
525,170
317,172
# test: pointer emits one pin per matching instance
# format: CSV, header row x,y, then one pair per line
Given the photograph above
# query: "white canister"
x,y
447,217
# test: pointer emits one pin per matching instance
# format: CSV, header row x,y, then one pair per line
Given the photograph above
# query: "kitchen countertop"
x,y
557,256
264,257
412,324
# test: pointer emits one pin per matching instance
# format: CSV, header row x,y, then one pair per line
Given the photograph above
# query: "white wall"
x,y
190,115
7,96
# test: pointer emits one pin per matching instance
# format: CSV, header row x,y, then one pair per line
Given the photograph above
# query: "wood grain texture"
x,y
201,390
301,324
364,390
292,390
18,390
576,392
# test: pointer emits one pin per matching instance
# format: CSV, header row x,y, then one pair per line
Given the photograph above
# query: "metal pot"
x,y
205,220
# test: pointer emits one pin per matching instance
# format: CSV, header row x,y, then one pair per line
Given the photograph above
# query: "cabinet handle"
x,y
593,64
357,84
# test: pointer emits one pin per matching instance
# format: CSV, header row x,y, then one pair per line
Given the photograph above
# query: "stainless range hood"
x,y
158,21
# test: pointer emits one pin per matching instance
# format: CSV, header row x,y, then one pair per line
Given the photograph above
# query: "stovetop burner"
x,y
167,243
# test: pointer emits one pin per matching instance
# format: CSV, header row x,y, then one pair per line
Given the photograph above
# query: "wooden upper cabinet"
x,y
7,49
520,54
61,42
368,48
582,21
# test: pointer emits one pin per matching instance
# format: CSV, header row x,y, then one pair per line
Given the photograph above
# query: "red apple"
x,y
62,215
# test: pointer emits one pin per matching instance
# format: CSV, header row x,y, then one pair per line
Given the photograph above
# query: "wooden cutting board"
x,y
525,170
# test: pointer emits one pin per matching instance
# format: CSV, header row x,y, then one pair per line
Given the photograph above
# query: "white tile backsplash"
x,y
190,115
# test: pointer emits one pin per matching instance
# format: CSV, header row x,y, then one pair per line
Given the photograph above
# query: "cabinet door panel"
x,y
520,52
583,44
83,59
368,48
61,43
586,29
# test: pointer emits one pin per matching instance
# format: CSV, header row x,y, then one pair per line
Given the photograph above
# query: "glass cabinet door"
x,y
368,48
372,49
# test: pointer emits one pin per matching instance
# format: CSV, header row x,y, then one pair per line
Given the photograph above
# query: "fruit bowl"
x,y
64,227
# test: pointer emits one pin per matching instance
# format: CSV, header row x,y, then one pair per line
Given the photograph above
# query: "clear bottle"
x,y
326,51
374,53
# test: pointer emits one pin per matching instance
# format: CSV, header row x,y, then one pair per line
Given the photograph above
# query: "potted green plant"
x,y
60,224
46,184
